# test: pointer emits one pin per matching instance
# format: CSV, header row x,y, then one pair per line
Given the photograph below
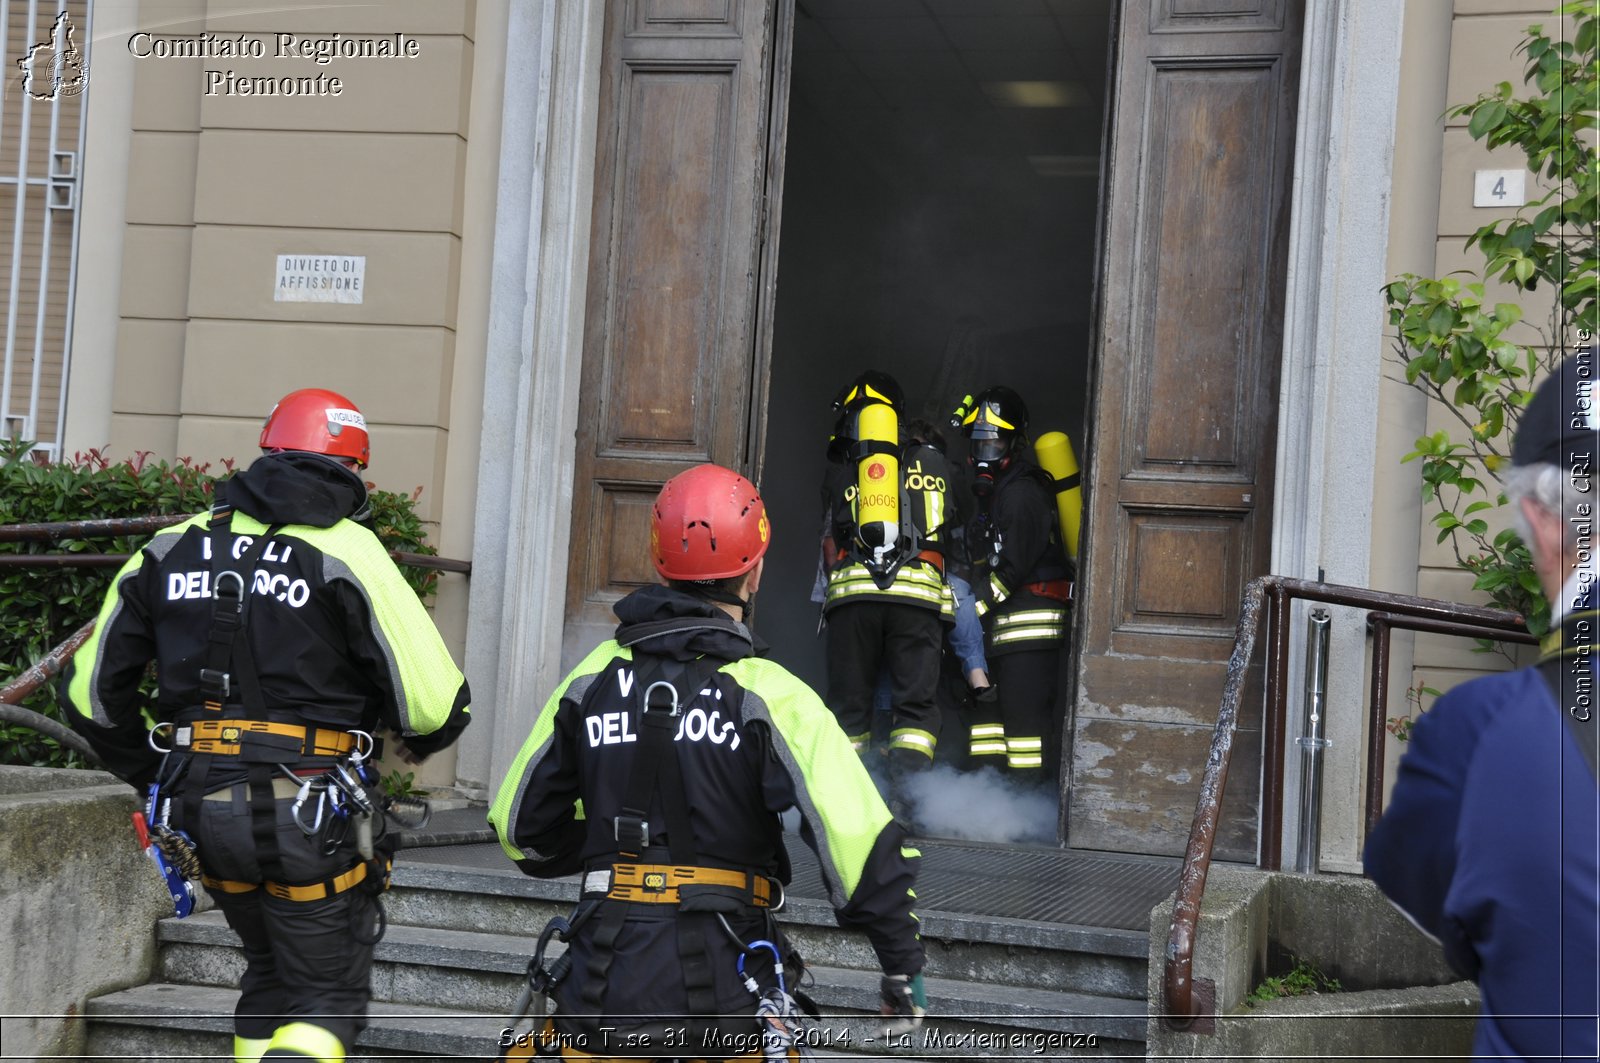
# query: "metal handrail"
x,y
1284,590
51,664
52,531
55,531
1381,626
1180,1008
399,557
26,682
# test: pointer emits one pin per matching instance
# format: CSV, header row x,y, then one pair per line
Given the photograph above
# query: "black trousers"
x,y
866,637
305,961
1026,683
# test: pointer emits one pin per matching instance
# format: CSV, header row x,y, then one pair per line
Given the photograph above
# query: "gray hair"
x,y
1552,489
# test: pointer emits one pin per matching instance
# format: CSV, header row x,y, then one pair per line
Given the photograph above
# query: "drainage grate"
x,y
1044,885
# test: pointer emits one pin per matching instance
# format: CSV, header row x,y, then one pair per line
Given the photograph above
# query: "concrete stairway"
x,y
463,922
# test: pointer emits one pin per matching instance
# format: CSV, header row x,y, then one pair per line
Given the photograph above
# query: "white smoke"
x,y
980,806
977,806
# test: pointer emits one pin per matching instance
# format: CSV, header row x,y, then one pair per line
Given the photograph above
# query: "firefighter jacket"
x,y
753,742
1021,576
924,519
337,637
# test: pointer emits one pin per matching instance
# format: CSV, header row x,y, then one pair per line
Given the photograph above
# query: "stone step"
x,y
1095,961
153,1024
481,973
159,1021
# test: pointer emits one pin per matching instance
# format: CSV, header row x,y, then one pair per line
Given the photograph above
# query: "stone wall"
x,y
1400,1000
78,904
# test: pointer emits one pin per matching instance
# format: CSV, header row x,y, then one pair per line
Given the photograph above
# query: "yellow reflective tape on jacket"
x,y
81,688
1043,625
424,676
502,814
915,582
833,787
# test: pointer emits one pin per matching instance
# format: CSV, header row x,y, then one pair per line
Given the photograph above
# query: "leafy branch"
x,y
1455,347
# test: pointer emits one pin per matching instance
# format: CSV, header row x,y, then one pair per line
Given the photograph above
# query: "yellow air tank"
x,y
878,480
1054,451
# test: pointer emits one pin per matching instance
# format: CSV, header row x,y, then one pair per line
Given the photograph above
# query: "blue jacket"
x,y
1491,844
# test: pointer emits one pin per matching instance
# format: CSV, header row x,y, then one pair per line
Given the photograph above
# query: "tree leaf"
x,y
1488,116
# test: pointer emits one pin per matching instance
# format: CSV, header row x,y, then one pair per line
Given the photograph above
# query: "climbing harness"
x,y
640,873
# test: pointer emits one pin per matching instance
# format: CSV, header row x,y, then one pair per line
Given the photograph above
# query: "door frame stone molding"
x,y
1332,368
534,362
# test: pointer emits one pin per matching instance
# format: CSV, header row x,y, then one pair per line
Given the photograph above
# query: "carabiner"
x,y
672,689
364,748
223,577
777,961
306,789
166,725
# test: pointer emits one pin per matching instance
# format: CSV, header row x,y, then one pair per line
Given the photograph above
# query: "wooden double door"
x,y
1184,380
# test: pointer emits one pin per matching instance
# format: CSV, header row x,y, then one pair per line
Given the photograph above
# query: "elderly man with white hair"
x,y
1491,843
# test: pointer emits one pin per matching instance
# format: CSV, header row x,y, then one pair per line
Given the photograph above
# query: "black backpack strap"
x,y
1559,676
230,664
665,687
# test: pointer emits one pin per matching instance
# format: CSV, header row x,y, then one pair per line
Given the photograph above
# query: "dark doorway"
x,y
940,202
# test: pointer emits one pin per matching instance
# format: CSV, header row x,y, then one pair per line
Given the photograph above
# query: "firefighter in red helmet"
x,y
682,746
284,637
317,421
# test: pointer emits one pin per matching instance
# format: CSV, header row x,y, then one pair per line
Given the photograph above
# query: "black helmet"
x,y
842,438
997,419
868,388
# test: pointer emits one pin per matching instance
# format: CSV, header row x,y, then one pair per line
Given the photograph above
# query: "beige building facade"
x,y
456,166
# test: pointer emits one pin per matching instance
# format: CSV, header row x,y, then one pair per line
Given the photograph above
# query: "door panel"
x,y
1180,474
669,343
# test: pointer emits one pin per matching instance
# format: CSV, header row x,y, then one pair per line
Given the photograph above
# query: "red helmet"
x,y
708,523
318,421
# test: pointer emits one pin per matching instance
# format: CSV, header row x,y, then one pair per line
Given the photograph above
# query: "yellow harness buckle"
x,y
660,883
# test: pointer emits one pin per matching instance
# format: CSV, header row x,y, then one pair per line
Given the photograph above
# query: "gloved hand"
x,y
398,747
904,1003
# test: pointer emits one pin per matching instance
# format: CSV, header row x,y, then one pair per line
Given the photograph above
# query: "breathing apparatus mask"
x,y
988,452
993,422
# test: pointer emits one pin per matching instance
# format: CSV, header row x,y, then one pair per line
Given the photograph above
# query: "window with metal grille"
x,y
45,44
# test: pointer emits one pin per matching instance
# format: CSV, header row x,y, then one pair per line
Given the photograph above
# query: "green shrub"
x,y
1452,342
1303,979
41,607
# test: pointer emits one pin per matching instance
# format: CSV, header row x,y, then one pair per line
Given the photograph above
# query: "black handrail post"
x,y
1271,815
1378,707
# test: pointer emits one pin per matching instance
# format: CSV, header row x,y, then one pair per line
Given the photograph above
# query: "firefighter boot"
x,y
904,766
